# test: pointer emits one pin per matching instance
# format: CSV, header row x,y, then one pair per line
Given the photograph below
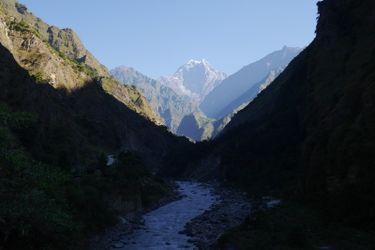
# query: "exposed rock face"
x,y
68,42
170,106
243,86
195,79
65,41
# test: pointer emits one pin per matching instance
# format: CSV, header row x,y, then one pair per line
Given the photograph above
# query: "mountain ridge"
x,y
170,106
218,102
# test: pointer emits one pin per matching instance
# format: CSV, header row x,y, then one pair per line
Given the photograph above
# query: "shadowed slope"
x,y
79,123
311,131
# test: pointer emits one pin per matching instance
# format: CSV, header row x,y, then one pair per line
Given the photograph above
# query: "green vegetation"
x,y
293,226
22,26
130,174
39,77
82,67
19,26
34,208
79,66
46,207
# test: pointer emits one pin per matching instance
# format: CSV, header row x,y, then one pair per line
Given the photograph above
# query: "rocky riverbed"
x,y
229,211
195,221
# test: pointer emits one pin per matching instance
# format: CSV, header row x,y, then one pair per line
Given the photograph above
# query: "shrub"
x,y
39,77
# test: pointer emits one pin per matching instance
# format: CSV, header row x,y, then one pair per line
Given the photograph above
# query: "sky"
x,y
158,36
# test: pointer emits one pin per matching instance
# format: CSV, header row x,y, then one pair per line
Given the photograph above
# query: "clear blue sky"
x,y
158,36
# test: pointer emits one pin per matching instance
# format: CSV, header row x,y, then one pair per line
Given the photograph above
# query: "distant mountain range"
x,y
198,100
233,94
177,96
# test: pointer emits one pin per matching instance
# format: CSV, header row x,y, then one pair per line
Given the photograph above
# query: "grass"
x,y
23,27
39,77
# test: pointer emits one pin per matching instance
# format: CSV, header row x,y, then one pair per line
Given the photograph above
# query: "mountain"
x,y
196,126
243,86
310,134
244,99
59,58
65,41
195,79
69,89
170,106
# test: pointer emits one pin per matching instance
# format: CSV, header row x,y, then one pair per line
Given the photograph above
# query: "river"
x,y
162,227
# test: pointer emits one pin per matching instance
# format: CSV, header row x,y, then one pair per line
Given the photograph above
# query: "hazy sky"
x,y
158,36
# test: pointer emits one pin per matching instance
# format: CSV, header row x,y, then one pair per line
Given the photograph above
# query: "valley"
x,y
277,155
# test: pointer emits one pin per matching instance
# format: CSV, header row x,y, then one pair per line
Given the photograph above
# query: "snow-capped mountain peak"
x,y
196,79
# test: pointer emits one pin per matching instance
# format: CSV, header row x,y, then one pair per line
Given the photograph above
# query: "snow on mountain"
x,y
195,79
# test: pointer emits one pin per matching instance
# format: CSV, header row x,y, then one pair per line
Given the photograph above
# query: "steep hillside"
x,y
88,108
170,106
244,99
57,57
65,41
244,85
311,131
